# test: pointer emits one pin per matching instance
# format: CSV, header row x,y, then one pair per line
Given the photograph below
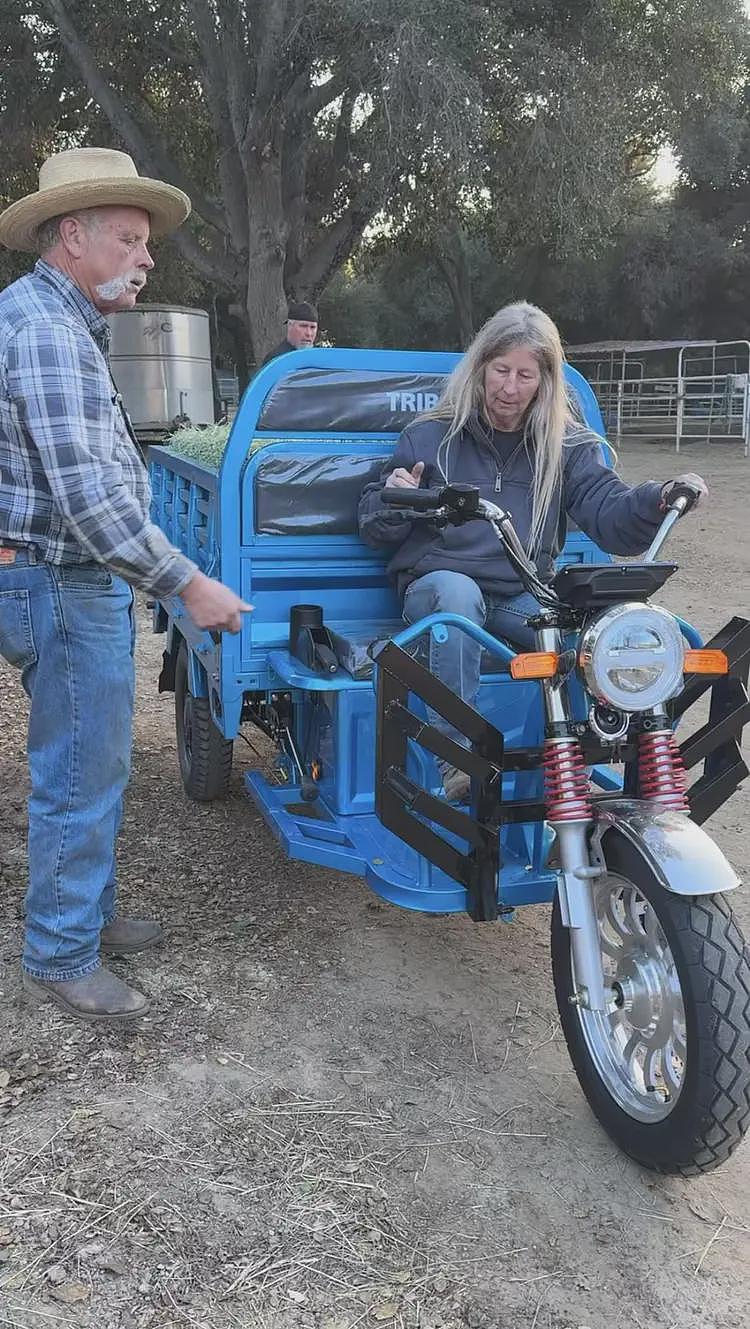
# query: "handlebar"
x,y
455,503
680,493
460,501
419,500
677,509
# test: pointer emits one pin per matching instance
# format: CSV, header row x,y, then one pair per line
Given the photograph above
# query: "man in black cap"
x,y
301,329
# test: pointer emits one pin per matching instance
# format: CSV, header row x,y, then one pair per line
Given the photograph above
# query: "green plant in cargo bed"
x,y
206,445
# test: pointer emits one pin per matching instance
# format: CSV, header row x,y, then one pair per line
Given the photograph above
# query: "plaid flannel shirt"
x,y
72,484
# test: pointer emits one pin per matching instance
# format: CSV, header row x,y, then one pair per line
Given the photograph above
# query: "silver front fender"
x,y
685,859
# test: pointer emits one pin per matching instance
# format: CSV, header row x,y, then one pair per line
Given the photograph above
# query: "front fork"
x,y
570,813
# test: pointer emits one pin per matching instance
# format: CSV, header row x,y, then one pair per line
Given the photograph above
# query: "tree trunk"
x,y
265,302
454,268
268,232
236,333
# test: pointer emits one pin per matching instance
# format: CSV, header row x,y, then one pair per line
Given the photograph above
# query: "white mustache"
x,y
112,290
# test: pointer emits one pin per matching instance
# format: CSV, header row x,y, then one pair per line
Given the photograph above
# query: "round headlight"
x,y
632,657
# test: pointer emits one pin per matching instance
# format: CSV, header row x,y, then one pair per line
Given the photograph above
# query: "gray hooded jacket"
x,y
619,519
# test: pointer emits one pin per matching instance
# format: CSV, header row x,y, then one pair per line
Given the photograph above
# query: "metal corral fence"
x,y
705,396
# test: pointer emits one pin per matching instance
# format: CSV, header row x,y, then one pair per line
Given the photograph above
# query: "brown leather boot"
x,y
125,936
97,996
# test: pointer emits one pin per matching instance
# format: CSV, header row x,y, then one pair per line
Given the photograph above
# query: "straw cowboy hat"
x,y
90,178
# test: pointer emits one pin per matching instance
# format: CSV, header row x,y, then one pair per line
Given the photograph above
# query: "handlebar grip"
x,y
419,500
690,495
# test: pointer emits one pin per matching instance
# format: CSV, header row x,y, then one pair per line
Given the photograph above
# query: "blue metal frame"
x,y
245,427
225,670
211,516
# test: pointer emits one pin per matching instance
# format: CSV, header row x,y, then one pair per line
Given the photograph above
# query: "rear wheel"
x,y
666,1069
204,754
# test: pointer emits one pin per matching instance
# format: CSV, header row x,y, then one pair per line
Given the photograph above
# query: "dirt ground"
x,y
339,1114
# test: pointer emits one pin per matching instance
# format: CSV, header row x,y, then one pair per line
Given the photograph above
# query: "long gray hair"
x,y
551,416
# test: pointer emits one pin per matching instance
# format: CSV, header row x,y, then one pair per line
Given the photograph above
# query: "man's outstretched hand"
x,y
212,606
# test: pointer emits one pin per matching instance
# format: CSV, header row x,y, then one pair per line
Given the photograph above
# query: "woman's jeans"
x,y
70,630
456,661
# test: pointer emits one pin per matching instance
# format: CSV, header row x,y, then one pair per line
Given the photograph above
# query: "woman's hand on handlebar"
x,y
403,479
690,486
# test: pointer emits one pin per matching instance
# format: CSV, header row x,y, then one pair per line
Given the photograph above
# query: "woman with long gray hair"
x,y
506,423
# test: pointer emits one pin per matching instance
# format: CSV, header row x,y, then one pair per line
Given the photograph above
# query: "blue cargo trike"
x,y
580,791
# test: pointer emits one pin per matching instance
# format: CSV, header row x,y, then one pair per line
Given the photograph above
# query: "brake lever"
x,y
437,517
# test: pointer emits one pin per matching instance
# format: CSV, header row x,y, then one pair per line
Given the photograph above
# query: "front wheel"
x,y
666,1069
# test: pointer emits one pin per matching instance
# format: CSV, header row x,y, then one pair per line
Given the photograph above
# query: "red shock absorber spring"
x,y
661,773
567,791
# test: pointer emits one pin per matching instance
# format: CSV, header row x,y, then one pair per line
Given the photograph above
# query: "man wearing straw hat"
x,y
75,536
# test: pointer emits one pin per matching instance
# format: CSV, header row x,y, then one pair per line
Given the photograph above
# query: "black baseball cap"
x,y
301,311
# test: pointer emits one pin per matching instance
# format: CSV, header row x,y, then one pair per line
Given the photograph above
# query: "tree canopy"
x,y
495,144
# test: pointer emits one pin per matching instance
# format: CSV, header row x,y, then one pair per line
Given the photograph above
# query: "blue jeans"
x,y
456,662
70,631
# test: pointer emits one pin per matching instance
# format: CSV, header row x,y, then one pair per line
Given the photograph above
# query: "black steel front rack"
x,y
717,742
406,808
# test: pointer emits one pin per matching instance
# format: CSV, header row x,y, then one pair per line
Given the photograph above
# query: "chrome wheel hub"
x,y
639,1044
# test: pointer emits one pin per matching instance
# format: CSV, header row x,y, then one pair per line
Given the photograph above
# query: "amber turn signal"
x,y
706,662
535,664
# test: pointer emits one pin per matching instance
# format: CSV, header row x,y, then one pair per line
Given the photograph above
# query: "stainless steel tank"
x,y
161,363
